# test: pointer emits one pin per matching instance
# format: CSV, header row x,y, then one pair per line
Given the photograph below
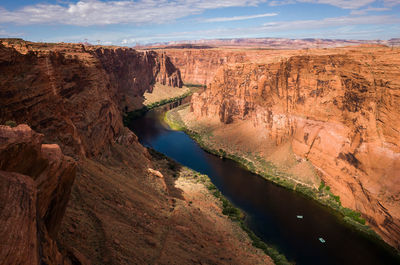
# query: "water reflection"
x,y
271,210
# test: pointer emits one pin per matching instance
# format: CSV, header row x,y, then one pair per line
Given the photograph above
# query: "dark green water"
x,y
271,210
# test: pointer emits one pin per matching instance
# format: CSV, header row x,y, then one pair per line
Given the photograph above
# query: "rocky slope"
x,y
35,184
125,205
131,207
74,94
338,109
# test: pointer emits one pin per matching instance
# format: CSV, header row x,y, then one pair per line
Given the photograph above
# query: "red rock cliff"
x,y
35,184
339,111
168,74
75,94
198,66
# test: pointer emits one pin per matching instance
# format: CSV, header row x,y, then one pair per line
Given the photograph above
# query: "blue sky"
x,y
125,22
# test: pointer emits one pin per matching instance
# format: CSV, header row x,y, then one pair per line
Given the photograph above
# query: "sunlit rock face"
x,y
340,111
73,97
118,210
75,94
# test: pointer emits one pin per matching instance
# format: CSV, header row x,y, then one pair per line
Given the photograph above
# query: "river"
x,y
271,211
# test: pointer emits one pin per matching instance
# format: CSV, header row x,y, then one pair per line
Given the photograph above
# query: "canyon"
x,y
324,115
78,186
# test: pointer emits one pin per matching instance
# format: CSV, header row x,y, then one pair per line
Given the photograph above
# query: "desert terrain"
x,y
317,115
79,188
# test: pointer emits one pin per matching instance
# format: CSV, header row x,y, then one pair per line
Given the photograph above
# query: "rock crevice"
x,y
36,181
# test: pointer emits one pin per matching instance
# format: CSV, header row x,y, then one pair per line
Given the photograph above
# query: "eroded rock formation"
x,y
339,111
74,94
198,66
119,212
36,181
168,74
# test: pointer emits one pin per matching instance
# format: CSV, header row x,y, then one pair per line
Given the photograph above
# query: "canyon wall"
x,y
338,110
74,94
124,206
199,66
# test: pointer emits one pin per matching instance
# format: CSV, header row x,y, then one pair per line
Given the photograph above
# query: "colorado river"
x,y
271,210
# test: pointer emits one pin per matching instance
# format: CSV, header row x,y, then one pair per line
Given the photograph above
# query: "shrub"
x,y
305,190
222,153
278,258
336,198
356,216
12,124
194,85
140,112
211,187
321,186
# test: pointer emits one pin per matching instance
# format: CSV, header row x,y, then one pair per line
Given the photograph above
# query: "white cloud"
x,y
96,12
341,27
282,2
345,4
369,9
336,27
331,22
223,19
391,3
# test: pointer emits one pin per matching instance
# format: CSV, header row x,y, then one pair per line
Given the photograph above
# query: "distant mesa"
x,y
268,43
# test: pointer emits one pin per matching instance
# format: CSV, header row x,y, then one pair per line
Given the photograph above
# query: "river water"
x,y
271,210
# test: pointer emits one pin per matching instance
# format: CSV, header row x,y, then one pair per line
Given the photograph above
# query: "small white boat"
x,y
322,240
299,217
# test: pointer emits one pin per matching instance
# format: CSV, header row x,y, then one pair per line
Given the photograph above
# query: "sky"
x,y
128,23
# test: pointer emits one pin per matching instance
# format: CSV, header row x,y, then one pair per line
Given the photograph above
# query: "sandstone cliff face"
x,y
36,181
119,212
340,111
198,66
168,74
75,94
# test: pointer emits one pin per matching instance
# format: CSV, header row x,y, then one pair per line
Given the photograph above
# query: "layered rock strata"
x,y
198,66
339,111
125,206
75,94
